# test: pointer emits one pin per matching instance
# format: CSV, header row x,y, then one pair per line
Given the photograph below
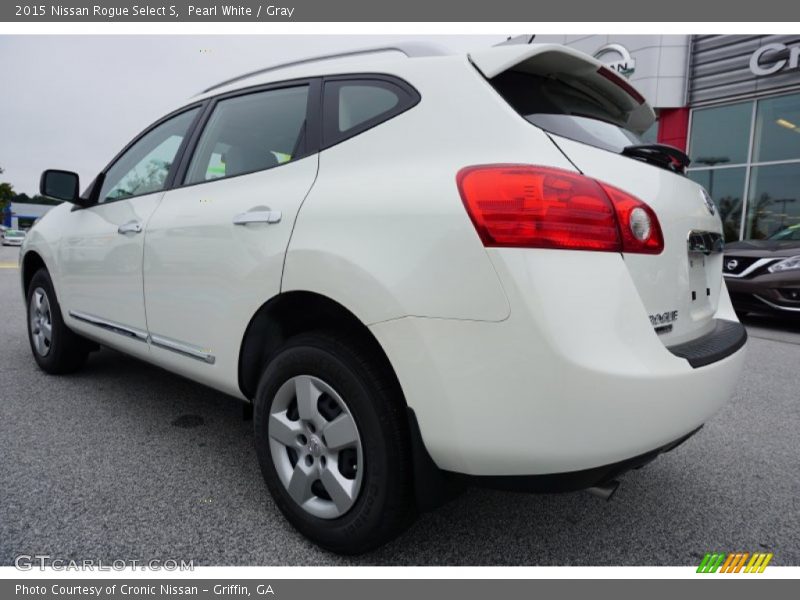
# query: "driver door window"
x,y
144,167
103,246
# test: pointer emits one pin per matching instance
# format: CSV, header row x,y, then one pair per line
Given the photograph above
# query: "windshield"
x,y
565,110
789,234
13,233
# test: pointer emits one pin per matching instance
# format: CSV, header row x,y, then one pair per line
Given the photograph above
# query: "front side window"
x,y
144,167
251,133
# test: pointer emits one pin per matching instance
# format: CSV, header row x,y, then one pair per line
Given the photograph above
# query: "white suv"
x,y
422,271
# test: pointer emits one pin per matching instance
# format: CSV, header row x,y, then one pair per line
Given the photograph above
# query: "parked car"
x,y
12,237
764,275
422,272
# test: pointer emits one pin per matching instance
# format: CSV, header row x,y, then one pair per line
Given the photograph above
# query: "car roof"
x,y
391,59
404,60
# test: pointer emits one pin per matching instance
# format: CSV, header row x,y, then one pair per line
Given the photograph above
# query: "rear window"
x,y
13,233
564,109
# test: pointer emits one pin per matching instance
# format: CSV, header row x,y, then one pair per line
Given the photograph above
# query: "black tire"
x,y
384,506
66,351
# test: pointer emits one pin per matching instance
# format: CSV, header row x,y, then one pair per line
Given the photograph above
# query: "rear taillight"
x,y
522,206
638,224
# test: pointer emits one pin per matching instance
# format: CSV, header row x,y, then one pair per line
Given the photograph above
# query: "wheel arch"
x,y
294,312
32,261
289,314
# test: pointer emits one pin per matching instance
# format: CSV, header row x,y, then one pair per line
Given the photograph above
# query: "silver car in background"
x,y
12,237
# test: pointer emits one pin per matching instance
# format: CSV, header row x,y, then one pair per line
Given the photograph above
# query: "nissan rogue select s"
x,y
422,271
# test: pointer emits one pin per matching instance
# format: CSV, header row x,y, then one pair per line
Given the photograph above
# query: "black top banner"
x,y
407,10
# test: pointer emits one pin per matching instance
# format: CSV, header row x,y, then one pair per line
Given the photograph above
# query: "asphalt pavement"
x,y
126,461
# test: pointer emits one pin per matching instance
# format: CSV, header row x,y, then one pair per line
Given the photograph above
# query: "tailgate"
x,y
593,115
680,287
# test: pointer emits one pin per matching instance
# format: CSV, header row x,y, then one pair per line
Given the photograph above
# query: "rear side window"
x,y
251,133
566,110
355,105
360,103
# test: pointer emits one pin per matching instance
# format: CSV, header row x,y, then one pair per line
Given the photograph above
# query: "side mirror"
x,y
61,185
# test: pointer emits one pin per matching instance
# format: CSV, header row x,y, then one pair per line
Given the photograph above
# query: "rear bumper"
x,y
571,381
575,480
726,338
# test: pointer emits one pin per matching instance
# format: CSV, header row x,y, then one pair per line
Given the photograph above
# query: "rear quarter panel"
x,y
384,231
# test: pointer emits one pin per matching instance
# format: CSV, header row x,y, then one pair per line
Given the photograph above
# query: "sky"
x,y
72,102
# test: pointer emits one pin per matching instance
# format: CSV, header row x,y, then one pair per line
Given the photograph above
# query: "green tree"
x,y
6,196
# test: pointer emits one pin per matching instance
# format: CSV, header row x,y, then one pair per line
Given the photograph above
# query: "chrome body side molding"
x,y
183,348
156,340
119,328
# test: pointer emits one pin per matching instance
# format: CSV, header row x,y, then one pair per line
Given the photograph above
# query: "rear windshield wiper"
x,y
661,155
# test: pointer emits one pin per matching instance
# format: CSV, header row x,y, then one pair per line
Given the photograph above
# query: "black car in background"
x,y
764,275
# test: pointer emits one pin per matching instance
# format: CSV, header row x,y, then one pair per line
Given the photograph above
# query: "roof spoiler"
x,y
573,67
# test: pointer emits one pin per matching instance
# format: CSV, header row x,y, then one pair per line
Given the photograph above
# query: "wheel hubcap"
x,y
40,322
315,447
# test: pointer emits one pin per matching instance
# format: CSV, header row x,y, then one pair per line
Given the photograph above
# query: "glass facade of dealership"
x,y
747,155
743,96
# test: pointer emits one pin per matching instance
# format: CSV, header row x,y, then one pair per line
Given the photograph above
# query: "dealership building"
x,y
19,215
732,102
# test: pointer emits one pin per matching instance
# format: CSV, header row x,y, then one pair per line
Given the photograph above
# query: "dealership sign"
x,y
771,58
617,58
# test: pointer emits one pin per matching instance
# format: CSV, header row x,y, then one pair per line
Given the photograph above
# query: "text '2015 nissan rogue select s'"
x,y
422,271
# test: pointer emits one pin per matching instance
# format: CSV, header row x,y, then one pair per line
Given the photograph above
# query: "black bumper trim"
x,y
726,338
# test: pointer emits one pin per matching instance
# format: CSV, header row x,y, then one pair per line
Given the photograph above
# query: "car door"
x,y
215,246
101,250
